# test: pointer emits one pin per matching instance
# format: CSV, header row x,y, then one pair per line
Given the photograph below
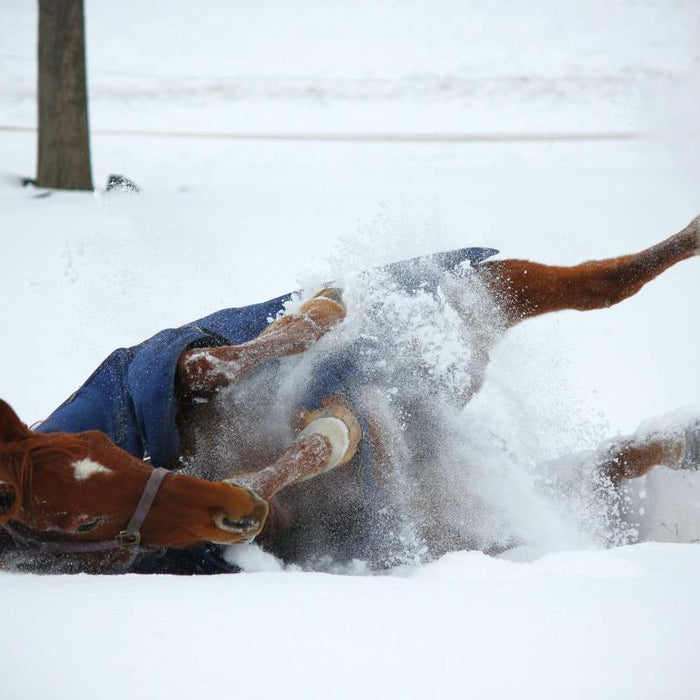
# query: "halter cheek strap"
x,y
129,537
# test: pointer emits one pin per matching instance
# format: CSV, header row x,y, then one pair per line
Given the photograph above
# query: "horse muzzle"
x,y
246,526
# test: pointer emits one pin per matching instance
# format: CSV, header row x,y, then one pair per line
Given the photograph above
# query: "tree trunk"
x,y
64,145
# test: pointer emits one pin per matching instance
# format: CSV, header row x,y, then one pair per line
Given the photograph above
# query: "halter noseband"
x,y
129,537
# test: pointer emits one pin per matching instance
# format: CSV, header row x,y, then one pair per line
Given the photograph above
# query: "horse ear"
x,y
11,427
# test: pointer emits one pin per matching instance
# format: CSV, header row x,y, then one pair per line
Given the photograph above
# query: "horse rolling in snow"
x,y
202,397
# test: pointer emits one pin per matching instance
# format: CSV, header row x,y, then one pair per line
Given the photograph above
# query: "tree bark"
x,y
64,144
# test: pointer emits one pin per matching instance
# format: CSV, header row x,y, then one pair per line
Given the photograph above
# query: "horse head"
x,y
12,430
82,488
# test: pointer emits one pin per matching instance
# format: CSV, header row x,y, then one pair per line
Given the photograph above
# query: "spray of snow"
x,y
454,474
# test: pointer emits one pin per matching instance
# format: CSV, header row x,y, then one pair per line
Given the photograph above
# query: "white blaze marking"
x,y
85,468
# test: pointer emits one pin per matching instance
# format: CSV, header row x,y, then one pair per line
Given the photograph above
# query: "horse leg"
x,y
525,289
329,439
633,456
304,458
203,371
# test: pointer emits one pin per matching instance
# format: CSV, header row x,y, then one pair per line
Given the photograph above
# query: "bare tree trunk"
x,y
64,145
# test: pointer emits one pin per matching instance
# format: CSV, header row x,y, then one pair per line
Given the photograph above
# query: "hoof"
x,y
326,308
691,450
335,294
339,426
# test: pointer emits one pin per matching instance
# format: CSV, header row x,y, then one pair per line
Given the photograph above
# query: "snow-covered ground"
x,y
225,220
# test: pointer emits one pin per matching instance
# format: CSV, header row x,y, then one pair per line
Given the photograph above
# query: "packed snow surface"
x,y
475,89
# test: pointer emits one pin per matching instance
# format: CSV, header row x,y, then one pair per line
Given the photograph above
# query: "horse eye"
x,y
7,498
89,526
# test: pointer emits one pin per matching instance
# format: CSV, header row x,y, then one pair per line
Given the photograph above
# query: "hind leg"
x,y
635,455
524,289
203,371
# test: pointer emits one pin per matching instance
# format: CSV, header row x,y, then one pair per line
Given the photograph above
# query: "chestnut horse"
x,y
226,439
77,502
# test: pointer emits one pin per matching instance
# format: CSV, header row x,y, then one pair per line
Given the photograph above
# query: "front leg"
x,y
329,439
524,289
633,456
202,372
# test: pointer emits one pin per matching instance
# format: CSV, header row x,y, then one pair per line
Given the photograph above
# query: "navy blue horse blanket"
x,y
131,395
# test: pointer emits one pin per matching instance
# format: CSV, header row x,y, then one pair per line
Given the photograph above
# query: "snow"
x,y
228,220
588,624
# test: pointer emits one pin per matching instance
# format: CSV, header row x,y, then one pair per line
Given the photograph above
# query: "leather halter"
x,y
128,538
